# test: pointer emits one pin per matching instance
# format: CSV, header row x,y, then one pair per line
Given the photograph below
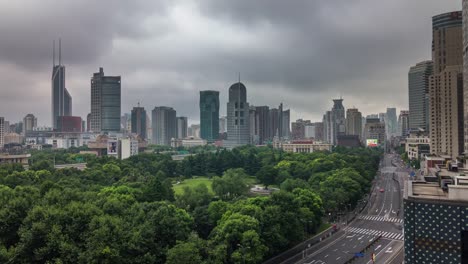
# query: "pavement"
x,y
383,217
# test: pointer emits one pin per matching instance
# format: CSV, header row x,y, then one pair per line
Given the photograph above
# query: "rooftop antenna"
x,y
60,51
138,103
239,77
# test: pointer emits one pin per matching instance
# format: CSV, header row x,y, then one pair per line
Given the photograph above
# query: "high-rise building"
x,y
391,123
69,124
29,123
465,74
274,123
418,95
138,121
328,127
254,138
262,124
354,122
222,124
374,130
298,129
318,131
382,117
164,123
126,123
88,122
105,102
446,85
237,116
182,127
2,132
338,112
209,115
194,131
286,123
61,99
403,123
280,121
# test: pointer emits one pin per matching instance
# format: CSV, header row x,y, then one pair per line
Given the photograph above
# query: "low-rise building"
x,y
15,159
304,146
417,146
188,142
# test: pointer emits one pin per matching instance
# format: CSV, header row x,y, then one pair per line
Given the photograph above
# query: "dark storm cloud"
x,y
301,53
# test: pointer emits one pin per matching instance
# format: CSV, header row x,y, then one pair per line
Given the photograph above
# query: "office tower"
x,y
237,116
149,128
435,217
465,73
280,121
222,125
126,123
6,126
338,112
391,123
418,95
374,130
328,127
318,131
2,132
403,123
274,123
354,122
298,129
254,138
446,85
382,117
83,125
182,126
209,115
262,124
138,122
61,99
69,124
164,125
29,123
105,102
286,122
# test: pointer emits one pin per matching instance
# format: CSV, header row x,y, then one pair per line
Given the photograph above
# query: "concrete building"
x,y
298,129
318,131
303,146
418,95
403,123
391,122
417,145
353,122
222,125
128,148
29,123
105,102
262,124
63,142
194,131
126,123
274,125
138,122
446,85
209,115
69,124
238,129
328,127
188,142
374,130
13,138
286,124
22,159
254,138
338,112
435,213
164,125
2,132
182,127
61,99
309,131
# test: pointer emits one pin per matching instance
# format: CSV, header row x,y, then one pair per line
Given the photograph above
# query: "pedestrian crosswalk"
x,y
372,232
381,218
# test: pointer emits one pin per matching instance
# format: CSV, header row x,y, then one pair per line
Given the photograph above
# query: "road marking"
x,y
338,258
335,249
326,256
389,250
379,246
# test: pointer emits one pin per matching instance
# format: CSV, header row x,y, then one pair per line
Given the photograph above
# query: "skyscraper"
x,y
209,115
418,95
254,138
2,132
105,102
374,129
298,129
222,124
354,122
328,127
262,121
465,74
274,114
164,123
446,85
29,123
61,99
286,123
138,121
391,123
403,123
237,116
182,127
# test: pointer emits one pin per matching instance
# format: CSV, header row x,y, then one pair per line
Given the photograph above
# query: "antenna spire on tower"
x,y
53,52
60,51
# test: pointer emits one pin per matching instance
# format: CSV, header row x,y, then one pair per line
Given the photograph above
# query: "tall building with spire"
x,y
61,98
238,129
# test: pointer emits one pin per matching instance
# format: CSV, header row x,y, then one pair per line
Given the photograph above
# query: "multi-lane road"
x,y
381,218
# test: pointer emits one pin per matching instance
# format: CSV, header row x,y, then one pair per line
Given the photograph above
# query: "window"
x,y
242,105
235,122
241,113
236,105
236,114
242,122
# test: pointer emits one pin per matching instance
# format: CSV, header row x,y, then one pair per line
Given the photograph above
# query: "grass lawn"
x,y
192,183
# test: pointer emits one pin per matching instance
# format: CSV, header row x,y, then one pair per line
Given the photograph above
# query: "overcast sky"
x,y
301,53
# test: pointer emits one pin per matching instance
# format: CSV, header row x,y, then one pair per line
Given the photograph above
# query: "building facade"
x,y
354,122
391,122
374,130
182,126
164,123
403,123
105,102
338,112
138,122
209,115
286,124
238,129
465,74
61,99
262,124
446,85
29,123
2,132
418,95
69,124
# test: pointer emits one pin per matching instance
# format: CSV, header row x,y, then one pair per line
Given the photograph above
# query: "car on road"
x,y
382,190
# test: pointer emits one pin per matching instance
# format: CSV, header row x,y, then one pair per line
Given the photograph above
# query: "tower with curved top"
x,y
237,116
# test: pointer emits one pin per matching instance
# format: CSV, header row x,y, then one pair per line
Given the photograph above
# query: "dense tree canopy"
x,y
125,211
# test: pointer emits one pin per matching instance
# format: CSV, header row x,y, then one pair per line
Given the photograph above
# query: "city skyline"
x,y
153,74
